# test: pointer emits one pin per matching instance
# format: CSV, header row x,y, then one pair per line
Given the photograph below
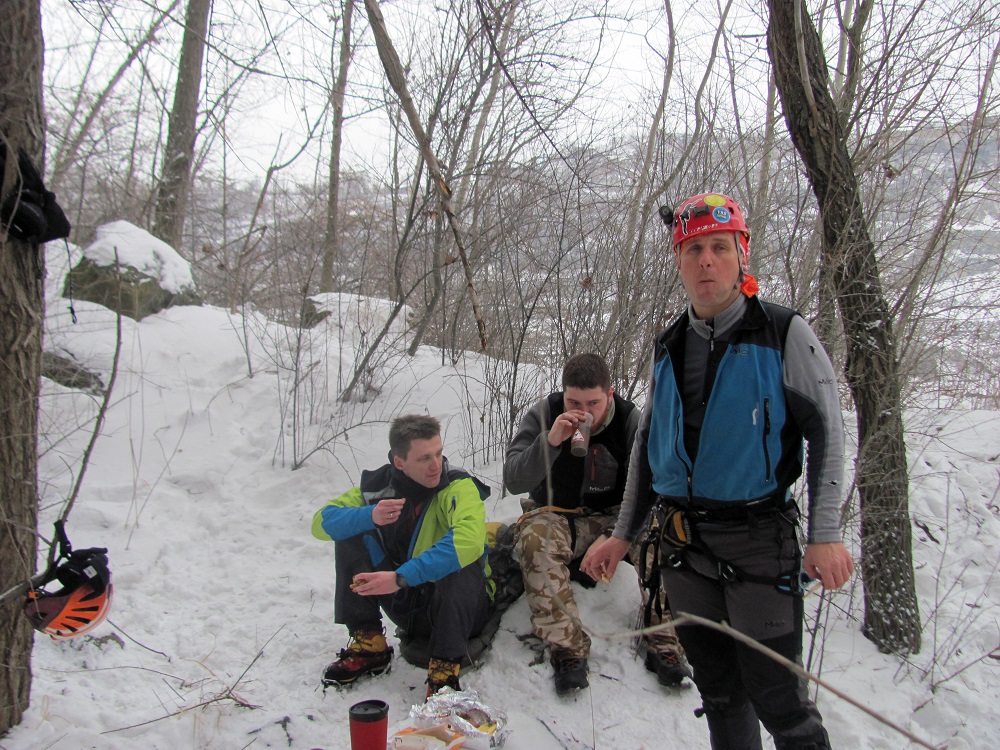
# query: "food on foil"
x,y
452,719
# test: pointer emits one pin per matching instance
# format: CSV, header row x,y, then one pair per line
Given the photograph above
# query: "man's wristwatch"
x,y
400,581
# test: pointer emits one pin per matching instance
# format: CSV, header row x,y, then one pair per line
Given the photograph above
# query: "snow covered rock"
x,y
153,276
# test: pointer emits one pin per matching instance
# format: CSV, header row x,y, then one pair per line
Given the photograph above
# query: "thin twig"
x,y
685,618
993,654
141,645
227,694
103,410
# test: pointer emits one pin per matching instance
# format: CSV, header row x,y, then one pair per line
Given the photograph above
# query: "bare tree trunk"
x,y
175,184
437,288
892,619
852,52
494,72
331,247
22,309
614,346
629,271
761,194
397,79
70,149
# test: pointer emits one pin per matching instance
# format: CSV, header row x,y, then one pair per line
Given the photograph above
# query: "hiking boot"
x,y
441,673
367,654
670,667
570,672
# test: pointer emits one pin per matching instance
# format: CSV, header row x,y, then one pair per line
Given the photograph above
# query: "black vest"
x,y
595,481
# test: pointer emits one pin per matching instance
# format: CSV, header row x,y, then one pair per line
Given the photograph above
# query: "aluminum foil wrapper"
x,y
483,727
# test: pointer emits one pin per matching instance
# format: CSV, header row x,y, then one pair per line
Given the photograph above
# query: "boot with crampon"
x,y
442,673
366,654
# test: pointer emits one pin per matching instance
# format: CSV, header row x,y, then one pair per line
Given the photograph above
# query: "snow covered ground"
x,y
223,615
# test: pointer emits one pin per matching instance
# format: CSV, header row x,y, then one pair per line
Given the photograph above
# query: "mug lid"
x,y
369,710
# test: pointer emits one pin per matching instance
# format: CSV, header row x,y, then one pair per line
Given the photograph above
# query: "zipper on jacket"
x,y
593,464
767,432
709,372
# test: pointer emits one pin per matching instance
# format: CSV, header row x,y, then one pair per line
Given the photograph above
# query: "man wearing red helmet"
x,y
737,384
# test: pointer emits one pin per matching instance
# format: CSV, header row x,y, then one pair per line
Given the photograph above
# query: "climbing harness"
x,y
679,536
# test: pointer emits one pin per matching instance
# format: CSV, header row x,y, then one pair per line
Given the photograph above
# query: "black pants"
x,y
446,612
738,684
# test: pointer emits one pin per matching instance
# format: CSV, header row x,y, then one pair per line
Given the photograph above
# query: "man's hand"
x,y
564,427
829,563
387,511
379,583
602,557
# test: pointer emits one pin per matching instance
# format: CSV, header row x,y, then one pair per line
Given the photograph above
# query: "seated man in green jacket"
x,y
410,541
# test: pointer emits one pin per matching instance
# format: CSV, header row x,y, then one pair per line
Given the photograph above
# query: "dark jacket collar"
x,y
381,479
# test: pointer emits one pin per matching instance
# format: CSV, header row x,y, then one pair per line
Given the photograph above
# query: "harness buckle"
x,y
727,573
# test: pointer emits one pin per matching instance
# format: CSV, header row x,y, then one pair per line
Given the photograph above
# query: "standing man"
x,y
736,385
410,540
576,501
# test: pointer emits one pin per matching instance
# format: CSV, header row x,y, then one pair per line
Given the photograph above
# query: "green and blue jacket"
x,y
450,532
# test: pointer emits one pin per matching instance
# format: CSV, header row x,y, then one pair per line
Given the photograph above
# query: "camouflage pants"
x,y
545,546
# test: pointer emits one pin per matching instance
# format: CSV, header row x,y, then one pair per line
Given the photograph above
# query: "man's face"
x,y
709,266
423,461
594,401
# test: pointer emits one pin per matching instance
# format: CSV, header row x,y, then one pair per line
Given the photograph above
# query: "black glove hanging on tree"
x,y
29,212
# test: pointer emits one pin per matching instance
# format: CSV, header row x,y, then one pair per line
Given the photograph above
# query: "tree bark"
x,y
331,247
892,619
22,306
175,184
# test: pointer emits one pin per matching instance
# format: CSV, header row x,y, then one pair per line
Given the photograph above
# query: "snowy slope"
x,y
222,619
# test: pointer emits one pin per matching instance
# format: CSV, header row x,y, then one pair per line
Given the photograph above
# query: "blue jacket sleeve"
x,y
433,564
343,517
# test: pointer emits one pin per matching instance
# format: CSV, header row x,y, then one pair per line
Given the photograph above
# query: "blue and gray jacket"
x,y
768,384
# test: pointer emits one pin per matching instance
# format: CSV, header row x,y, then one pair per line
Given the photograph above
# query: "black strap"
x,y
650,577
73,567
777,502
572,533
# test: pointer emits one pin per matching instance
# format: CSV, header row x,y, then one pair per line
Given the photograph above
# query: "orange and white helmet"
x,y
83,601
712,212
67,614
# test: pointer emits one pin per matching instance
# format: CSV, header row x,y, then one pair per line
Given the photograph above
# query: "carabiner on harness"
x,y
795,583
676,528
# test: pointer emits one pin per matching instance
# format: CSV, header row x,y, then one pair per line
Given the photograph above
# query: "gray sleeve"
x,y
811,390
529,456
636,501
631,429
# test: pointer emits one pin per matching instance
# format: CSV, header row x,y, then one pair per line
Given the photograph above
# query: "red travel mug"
x,y
369,725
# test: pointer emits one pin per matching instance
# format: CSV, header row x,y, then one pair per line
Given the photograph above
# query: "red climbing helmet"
x,y
712,212
706,212
84,599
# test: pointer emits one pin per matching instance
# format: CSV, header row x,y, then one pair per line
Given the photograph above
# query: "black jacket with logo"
x,y
594,482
